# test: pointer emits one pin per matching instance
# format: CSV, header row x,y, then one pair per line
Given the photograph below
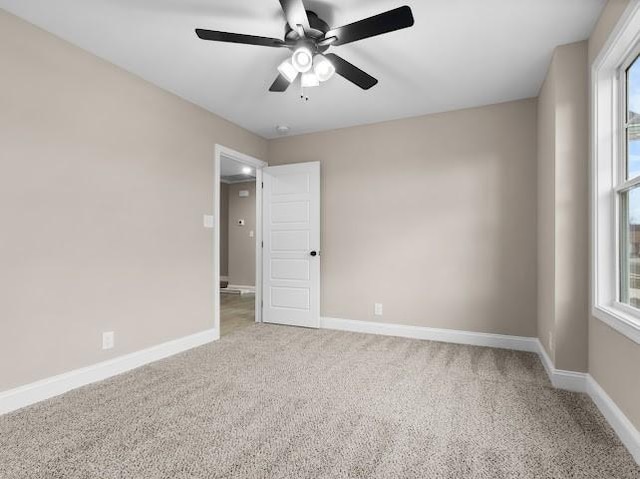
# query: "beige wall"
x,y
546,210
224,229
613,359
435,217
104,182
572,218
242,246
563,165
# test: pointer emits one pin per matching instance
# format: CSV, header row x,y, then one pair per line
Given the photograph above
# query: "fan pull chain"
x,y
303,97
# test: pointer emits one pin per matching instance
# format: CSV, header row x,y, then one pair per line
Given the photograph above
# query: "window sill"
x,y
623,322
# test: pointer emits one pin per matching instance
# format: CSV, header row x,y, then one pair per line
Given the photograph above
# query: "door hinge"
x,y
263,184
262,244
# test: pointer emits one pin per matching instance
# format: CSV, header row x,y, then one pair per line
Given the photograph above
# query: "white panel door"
x,y
291,253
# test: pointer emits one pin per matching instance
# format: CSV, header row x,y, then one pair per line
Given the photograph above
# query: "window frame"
x,y
623,184
609,173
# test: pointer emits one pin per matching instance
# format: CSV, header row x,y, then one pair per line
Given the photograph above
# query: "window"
x,y
615,174
629,186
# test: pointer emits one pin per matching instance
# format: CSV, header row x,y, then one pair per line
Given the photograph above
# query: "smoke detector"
x,y
282,129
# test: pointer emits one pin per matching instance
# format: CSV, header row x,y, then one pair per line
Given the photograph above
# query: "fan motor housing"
x,y
318,28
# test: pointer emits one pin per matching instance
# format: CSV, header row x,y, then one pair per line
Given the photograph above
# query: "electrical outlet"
x,y
377,309
207,221
108,340
551,345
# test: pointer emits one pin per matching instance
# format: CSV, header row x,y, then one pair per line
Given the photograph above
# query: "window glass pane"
x,y
630,248
633,120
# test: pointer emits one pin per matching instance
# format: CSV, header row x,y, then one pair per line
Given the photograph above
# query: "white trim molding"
x,y
26,395
517,343
242,288
238,289
620,423
617,319
561,378
607,173
220,152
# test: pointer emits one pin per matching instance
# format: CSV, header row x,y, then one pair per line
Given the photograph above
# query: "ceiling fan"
x,y
309,37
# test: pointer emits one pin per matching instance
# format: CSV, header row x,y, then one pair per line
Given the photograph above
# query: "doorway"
x,y
284,248
237,240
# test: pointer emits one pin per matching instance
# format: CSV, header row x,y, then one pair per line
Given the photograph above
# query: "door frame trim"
x,y
234,155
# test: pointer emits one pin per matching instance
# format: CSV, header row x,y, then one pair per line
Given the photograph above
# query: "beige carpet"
x,y
279,402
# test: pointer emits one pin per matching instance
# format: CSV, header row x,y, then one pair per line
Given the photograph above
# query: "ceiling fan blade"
x,y
238,38
295,14
370,27
351,72
281,84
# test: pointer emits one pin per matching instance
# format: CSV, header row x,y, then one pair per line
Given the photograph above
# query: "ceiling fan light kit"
x,y
309,37
302,59
309,80
287,70
323,68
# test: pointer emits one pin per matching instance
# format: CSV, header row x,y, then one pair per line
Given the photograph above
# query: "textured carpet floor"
x,y
272,401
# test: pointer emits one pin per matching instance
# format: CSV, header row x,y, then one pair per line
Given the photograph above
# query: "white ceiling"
x,y
459,54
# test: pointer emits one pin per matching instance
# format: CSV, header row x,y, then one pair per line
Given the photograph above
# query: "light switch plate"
x,y
108,340
207,221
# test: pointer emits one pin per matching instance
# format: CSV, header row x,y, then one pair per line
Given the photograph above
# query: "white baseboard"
x,y
620,423
26,395
242,288
560,378
517,343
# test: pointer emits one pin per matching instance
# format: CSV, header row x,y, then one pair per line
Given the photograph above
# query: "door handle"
x,y
314,253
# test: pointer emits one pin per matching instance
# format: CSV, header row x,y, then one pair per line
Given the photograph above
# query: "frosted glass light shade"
x,y
323,68
310,80
302,59
287,70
